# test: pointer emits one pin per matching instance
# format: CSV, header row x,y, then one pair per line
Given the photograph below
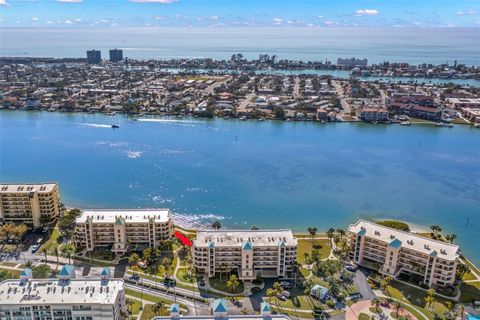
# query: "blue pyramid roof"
x,y
66,270
247,245
362,231
211,245
26,272
434,253
395,243
105,271
265,307
174,307
219,305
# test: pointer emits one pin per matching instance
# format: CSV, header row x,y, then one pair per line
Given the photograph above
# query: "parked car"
x,y
35,248
351,268
281,297
356,296
286,294
285,284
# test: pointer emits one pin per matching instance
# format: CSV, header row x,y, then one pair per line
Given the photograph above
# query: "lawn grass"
x,y
14,273
52,242
135,307
416,297
221,285
11,264
469,276
148,313
470,291
300,302
471,265
307,245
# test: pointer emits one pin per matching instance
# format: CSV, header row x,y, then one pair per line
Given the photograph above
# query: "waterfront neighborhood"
x,y
266,88
69,263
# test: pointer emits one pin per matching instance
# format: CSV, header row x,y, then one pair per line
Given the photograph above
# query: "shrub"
x,y
363,316
395,225
255,289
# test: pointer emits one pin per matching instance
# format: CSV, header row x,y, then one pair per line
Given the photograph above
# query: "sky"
x,y
238,13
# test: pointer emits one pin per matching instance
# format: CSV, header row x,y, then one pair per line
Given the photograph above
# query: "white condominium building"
x,y
267,253
116,229
29,203
62,299
398,251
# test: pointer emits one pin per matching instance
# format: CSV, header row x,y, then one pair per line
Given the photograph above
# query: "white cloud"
x,y
3,3
78,19
213,17
68,22
367,12
154,1
34,18
50,22
278,20
468,13
70,1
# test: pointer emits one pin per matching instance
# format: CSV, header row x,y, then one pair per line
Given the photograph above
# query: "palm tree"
x,y
451,237
330,233
216,225
56,252
166,264
270,294
397,306
45,251
233,283
133,260
129,303
384,284
341,232
157,307
429,301
312,231
376,303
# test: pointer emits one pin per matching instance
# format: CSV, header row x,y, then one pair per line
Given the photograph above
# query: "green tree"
x,y
158,307
216,225
42,271
279,113
376,303
312,231
233,283
167,265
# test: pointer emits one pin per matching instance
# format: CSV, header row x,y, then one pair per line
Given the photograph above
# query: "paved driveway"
x,y
360,281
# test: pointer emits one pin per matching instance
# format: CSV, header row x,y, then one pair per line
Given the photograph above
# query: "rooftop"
x,y
26,188
54,291
128,215
245,237
405,239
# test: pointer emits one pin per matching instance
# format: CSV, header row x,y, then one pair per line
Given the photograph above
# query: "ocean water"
x,y
269,174
413,45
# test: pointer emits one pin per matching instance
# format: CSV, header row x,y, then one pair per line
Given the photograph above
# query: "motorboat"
x,y
115,126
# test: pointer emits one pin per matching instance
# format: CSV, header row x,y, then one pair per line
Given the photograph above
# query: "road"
x,y
197,308
296,88
338,89
243,106
211,88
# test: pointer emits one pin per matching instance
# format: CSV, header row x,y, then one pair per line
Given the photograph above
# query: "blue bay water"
x,y
268,174
412,45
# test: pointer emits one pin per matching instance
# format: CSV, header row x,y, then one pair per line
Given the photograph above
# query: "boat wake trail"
x,y
96,125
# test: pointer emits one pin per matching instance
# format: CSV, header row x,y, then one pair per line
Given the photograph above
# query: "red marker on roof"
x,y
185,241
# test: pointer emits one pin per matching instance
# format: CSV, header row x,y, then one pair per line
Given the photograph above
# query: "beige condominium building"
x,y
29,203
66,298
117,229
267,253
398,251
